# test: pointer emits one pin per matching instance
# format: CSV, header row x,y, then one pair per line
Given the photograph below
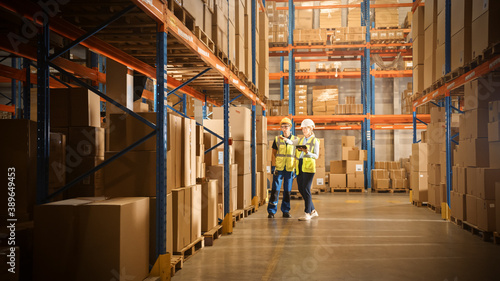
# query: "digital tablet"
x,y
302,146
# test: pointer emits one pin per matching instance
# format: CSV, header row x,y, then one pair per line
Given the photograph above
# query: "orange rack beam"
x,y
7,108
358,127
484,68
345,46
374,119
342,74
416,4
20,75
400,5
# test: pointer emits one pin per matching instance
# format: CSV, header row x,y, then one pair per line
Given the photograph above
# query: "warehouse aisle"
x,y
356,237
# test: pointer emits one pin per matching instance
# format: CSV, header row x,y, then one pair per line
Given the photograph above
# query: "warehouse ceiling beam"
x,y
27,9
357,127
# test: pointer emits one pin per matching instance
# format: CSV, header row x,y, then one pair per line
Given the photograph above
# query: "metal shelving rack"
x,y
224,84
367,75
444,93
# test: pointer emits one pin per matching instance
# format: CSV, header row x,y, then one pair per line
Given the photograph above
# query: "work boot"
x,y
287,215
270,216
306,217
314,213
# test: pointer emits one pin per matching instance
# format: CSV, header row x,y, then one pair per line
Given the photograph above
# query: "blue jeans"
x,y
304,182
287,179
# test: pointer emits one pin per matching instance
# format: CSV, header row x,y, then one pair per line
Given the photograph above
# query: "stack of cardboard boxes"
x,y
310,36
476,168
349,34
330,18
387,17
485,23
387,34
303,17
350,107
354,14
461,25
389,175
430,44
406,100
278,24
300,99
325,100
349,172
419,178
76,141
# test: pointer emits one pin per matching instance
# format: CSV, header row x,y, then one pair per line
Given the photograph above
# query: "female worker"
x,y
306,155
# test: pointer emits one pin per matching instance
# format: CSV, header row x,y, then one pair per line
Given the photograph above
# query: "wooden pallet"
x,y
435,209
192,248
381,190
419,204
323,189
238,215
248,211
212,235
346,190
202,36
252,87
278,44
486,236
400,190
176,264
233,68
303,70
221,55
184,16
456,221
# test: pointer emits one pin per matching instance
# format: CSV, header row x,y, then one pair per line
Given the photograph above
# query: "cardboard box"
x,y
196,209
131,175
350,153
484,31
348,141
471,209
477,153
457,201
261,127
462,180
485,179
338,180
59,108
419,157
233,175
233,202
19,151
152,227
399,183
85,108
419,185
319,178
476,124
86,141
494,149
241,116
57,161
243,156
486,209
397,174
338,167
418,23
90,186
479,92
244,191
418,78
461,49
494,111
188,146
116,137
418,50
430,15
383,183
181,210
261,162
429,73
356,180
440,61
494,131
354,166
461,15
116,236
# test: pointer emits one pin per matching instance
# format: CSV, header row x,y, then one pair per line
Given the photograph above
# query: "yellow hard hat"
x,y
286,120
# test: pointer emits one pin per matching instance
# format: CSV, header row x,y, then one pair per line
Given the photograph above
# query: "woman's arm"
x,y
314,155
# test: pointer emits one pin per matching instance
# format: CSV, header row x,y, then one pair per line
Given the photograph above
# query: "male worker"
x,y
284,170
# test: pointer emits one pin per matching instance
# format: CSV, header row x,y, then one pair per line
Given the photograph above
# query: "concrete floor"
x,y
356,237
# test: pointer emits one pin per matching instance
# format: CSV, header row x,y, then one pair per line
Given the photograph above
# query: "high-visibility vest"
x,y
308,163
285,158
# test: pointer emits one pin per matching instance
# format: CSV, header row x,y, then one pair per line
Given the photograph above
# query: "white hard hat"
x,y
307,123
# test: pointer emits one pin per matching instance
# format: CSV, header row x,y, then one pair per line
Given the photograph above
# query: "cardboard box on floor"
x,y
356,180
244,191
90,186
243,156
196,209
110,234
419,186
471,209
338,167
338,180
319,178
486,220
57,161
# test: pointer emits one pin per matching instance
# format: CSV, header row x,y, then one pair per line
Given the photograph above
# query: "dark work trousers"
x,y
304,182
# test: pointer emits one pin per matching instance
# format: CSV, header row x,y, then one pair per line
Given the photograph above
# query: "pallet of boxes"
x,y
389,177
348,174
418,177
476,169
325,100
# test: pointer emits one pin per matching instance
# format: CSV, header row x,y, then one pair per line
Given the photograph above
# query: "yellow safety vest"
x,y
309,164
285,157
